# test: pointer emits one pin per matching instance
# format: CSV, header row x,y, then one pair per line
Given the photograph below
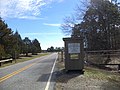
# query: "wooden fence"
x,y
107,58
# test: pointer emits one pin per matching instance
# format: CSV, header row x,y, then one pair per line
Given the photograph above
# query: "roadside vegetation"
x,y
12,45
97,22
24,58
92,79
56,49
101,74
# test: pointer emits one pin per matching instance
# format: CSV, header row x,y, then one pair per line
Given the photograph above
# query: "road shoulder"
x,y
92,79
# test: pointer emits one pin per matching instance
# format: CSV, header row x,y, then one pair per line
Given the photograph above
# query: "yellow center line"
x,y
15,72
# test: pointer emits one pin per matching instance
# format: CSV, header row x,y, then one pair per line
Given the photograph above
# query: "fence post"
x,y
62,56
15,57
119,67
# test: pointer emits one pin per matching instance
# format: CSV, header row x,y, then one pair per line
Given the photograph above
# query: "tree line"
x,y
52,49
98,25
12,45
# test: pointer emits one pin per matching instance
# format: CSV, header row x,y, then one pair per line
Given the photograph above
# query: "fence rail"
x,y
7,60
109,58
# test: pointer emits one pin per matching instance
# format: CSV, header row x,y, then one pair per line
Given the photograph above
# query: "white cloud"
x,y
22,8
60,0
30,17
54,25
33,34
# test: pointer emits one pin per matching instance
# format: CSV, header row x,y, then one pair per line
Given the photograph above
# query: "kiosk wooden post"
x,y
74,55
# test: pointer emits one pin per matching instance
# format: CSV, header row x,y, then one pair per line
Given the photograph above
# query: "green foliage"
x,y
5,37
34,50
2,52
52,49
36,46
19,42
100,26
27,46
11,44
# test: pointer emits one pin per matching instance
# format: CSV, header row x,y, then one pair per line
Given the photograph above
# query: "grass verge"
x,y
22,59
92,79
100,74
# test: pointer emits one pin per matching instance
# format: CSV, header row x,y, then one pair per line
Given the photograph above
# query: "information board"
x,y
73,47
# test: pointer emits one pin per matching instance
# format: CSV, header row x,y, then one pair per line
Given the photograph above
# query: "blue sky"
x,y
39,19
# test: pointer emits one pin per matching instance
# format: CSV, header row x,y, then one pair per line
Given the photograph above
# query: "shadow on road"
x,y
45,77
60,76
64,77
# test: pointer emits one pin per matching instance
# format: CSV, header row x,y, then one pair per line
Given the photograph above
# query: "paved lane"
x,y
29,75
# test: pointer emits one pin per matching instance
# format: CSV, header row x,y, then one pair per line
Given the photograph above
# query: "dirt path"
x,y
92,79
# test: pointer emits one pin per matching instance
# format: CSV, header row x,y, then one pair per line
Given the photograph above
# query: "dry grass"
x,y
92,79
22,59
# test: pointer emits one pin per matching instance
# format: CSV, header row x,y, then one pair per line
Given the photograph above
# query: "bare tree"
x,y
76,18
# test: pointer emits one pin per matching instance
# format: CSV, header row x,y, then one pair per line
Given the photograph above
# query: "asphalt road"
x,y
36,74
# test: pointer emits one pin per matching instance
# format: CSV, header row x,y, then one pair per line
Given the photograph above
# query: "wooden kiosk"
x,y
74,53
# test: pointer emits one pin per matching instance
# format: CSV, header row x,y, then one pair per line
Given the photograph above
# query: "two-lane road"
x,y
36,74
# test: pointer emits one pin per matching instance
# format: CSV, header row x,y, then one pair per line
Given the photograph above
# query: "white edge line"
x,y
48,82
